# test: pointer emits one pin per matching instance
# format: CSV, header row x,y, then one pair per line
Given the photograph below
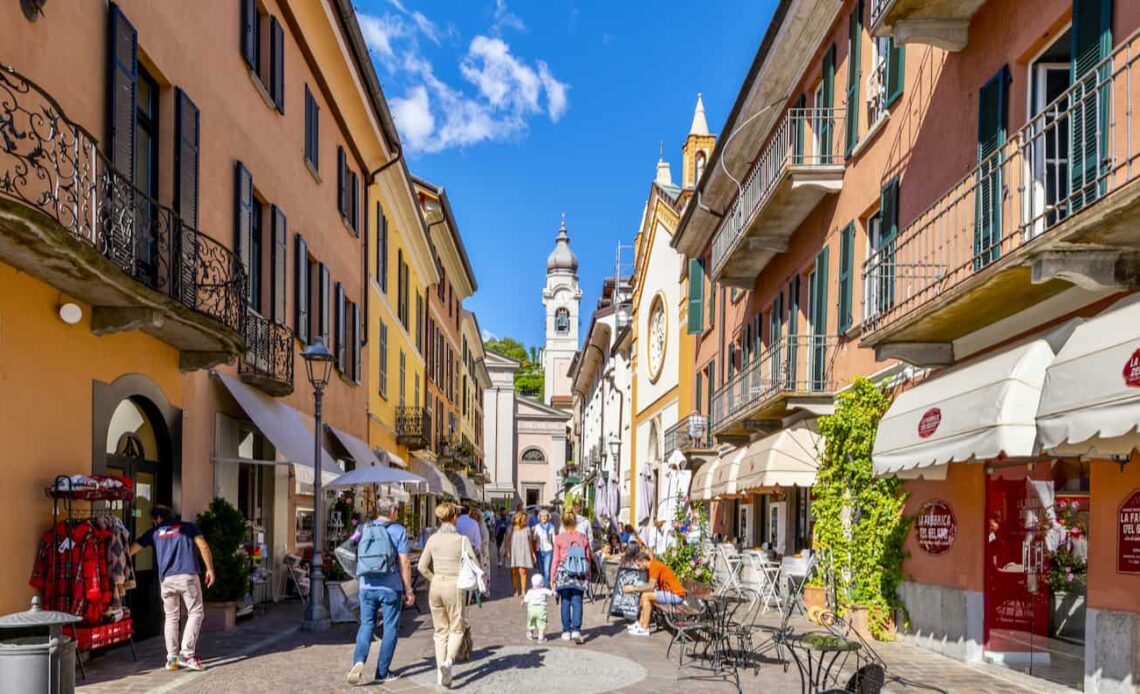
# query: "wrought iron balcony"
x,y
1054,205
942,23
795,372
268,360
801,163
68,217
413,427
690,434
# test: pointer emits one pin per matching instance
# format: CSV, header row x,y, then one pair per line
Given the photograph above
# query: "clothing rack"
x,y
64,492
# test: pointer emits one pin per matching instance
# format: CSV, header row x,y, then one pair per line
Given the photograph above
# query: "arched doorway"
x,y
138,446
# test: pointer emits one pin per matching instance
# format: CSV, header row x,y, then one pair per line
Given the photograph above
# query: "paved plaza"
x,y
269,653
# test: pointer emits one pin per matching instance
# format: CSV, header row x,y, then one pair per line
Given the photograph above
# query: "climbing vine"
x,y
858,517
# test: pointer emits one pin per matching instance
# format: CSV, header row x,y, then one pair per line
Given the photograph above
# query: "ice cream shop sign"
x,y
935,526
1128,535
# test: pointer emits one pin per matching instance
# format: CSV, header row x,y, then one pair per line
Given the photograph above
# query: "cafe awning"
x,y
465,488
977,411
1090,404
724,477
437,482
285,429
787,458
701,488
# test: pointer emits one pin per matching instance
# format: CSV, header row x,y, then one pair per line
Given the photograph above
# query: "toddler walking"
x,y
536,608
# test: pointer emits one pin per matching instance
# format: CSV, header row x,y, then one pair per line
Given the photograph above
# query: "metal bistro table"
x,y
820,651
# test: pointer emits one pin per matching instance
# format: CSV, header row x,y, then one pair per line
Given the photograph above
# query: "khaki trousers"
x,y
447,616
175,590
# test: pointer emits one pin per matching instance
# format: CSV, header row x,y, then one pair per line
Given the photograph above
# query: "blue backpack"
x,y
575,565
376,554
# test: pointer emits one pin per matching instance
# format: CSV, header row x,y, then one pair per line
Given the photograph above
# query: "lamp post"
x,y
615,451
318,368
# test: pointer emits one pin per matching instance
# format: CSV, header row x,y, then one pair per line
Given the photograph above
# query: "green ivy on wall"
x,y
858,517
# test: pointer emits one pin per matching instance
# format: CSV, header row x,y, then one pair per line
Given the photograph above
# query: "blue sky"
x,y
523,110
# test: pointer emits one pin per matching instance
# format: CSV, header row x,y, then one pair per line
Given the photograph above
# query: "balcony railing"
x,y
413,427
878,7
793,365
268,360
806,137
690,433
1077,151
54,165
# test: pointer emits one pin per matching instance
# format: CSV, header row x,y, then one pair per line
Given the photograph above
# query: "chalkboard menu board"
x,y
624,604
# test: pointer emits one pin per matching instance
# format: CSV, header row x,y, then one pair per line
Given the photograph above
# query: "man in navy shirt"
x,y
174,541
383,593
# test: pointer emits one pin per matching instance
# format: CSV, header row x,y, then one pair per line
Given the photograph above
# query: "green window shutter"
x,y
992,107
280,253
846,260
827,101
712,382
696,295
712,302
889,229
301,289
697,399
243,221
819,293
340,327
800,119
1091,43
854,76
896,71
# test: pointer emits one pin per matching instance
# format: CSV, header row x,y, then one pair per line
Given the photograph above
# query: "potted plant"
x,y
223,527
1068,574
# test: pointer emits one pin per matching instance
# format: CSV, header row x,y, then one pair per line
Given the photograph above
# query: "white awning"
x,y
976,411
285,429
1090,404
437,482
723,479
360,452
701,489
465,487
787,458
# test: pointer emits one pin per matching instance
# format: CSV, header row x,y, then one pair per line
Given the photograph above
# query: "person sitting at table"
x,y
627,534
663,587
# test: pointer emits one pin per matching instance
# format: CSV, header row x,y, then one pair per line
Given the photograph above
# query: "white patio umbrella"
x,y
646,495
613,501
601,498
377,474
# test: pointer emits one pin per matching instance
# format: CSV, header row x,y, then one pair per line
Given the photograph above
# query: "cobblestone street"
x,y
270,653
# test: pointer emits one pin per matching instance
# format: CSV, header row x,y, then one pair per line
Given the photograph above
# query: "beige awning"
x,y
1090,404
787,458
701,489
437,482
977,411
285,429
723,479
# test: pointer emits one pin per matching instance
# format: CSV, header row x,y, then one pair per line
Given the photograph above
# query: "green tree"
x,y
529,379
223,526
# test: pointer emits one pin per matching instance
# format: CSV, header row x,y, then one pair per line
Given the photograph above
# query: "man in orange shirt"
x,y
662,587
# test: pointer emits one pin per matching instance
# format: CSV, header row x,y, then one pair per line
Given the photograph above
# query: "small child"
x,y
536,608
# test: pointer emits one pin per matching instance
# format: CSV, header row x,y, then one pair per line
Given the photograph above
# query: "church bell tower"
x,y
561,298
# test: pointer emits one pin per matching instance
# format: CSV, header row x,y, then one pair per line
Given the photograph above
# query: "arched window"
x,y
534,456
698,168
562,321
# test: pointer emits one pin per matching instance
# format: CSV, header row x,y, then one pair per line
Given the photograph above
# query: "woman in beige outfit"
x,y
440,564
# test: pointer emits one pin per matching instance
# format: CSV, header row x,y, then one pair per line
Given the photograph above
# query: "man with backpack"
x,y
385,573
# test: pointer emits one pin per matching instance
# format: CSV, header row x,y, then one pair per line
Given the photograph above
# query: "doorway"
x,y
1048,137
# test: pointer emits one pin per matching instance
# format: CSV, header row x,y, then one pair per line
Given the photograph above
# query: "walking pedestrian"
x,y
521,553
537,609
466,524
384,571
571,569
502,525
544,532
174,541
484,551
440,564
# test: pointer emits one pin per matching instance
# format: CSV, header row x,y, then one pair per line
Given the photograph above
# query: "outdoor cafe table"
x,y
722,608
816,653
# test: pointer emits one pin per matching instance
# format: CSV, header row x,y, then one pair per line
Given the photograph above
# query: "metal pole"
x,y
316,614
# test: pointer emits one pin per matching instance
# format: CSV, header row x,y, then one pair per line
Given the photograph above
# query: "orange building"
x,y
185,196
948,185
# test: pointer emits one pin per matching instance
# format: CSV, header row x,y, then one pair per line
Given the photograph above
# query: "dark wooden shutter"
x,y
312,129
323,302
1091,43
243,221
992,102
341,182
354,201
356,331
339,327
277,64
896,70
186,123
846,262
122,75
383,368
854,75
280,257
696,296
249,33
798,123
827,101
301,288
819,293
381,248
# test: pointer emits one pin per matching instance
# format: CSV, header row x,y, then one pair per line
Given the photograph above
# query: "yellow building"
x,y
475,381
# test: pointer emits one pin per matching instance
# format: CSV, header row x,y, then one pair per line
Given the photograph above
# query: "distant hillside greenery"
x,y
529,377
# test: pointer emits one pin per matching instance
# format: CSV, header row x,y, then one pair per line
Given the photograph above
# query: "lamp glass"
x,y
318,363
615,447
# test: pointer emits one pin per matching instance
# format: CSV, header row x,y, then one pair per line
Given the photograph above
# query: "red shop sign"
x,y
935,526
1132,370
1128,535
929,422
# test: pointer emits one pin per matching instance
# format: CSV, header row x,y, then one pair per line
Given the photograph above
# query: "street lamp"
x,y
615,453
318,367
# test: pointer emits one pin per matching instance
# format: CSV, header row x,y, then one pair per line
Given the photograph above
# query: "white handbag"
x,y
470,575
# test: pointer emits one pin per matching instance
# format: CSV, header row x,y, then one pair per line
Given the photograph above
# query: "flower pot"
x,y
815,596
1067,615
859,617
220,616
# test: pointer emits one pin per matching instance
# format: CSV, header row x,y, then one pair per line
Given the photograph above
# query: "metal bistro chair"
x,y
733,563
768,575
297,577
796,573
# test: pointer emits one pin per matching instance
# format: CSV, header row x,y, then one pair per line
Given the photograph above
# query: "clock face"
x,y
658,333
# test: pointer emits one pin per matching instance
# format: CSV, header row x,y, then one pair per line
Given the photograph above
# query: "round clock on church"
x,y
658,334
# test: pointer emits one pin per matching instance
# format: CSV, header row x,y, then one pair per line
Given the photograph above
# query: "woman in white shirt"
x,y
543,533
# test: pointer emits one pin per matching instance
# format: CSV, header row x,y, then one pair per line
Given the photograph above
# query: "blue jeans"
x,y
571,608
544,566
388,603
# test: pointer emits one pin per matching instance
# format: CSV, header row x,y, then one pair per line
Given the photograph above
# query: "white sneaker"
x,y
354,675
631,627
529,635
576,637
565,636
445,674
639,631
542,639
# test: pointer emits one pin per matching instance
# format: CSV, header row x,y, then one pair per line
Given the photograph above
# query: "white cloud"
x,y
433,115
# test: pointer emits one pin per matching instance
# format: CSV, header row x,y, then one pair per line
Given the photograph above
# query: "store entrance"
x,y
136,444
1036,565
